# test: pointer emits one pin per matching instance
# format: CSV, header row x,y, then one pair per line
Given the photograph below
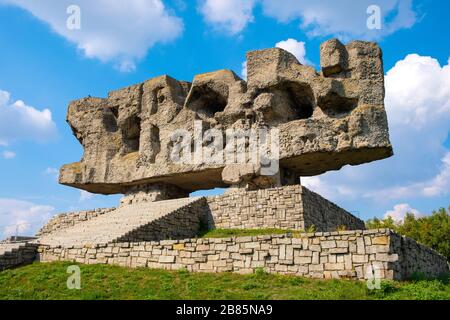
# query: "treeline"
x,y
432,231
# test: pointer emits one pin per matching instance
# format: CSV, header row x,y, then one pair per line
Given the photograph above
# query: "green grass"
x,y
48,281
224,233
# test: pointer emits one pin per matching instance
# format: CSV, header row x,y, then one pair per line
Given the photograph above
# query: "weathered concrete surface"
x,y
326,120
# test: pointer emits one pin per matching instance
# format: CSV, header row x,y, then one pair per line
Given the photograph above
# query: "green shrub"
x,y
432,231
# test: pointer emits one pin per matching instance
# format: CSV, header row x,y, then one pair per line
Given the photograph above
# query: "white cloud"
x,y
418,92
84,195
20,228
244,70
121,31
439,185
297,48
8,154
344,18
318,184
126,66
418,108
231,16
24,215
400,211
21,122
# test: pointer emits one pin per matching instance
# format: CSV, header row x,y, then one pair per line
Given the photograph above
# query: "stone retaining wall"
x,y
290,207
415,258
67,220
265,208
345,254
325,215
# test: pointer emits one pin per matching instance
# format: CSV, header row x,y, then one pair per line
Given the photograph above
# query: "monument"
x,y
325,120
158,141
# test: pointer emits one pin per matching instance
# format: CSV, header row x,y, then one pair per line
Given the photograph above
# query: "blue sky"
x,y
45,65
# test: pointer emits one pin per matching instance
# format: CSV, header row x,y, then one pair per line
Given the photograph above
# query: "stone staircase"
x,y
123,222
14,254
8,247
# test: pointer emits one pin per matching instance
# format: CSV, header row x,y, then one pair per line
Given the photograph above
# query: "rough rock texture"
x,y
326,120
355,254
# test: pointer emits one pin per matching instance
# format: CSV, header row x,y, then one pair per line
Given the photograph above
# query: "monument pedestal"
x,y
151,193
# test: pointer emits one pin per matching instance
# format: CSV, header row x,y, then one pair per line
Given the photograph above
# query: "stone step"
x,y
15,254
6,248
111,226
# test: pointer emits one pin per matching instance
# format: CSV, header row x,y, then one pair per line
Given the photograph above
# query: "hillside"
x,y
48,281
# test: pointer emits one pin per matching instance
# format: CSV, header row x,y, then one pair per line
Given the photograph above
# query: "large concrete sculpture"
x,y
144,141
324,120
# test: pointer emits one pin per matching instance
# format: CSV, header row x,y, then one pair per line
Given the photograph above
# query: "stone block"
x,y
386,257
381,240
246,251
342,244
360,258
360,247
338,250
302,260
179,246
328,244
333,55
166,259
334,266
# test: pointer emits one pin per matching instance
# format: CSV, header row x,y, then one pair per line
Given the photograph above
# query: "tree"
x,y
432,231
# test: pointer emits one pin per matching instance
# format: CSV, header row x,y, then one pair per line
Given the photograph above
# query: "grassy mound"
x,y
48,281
